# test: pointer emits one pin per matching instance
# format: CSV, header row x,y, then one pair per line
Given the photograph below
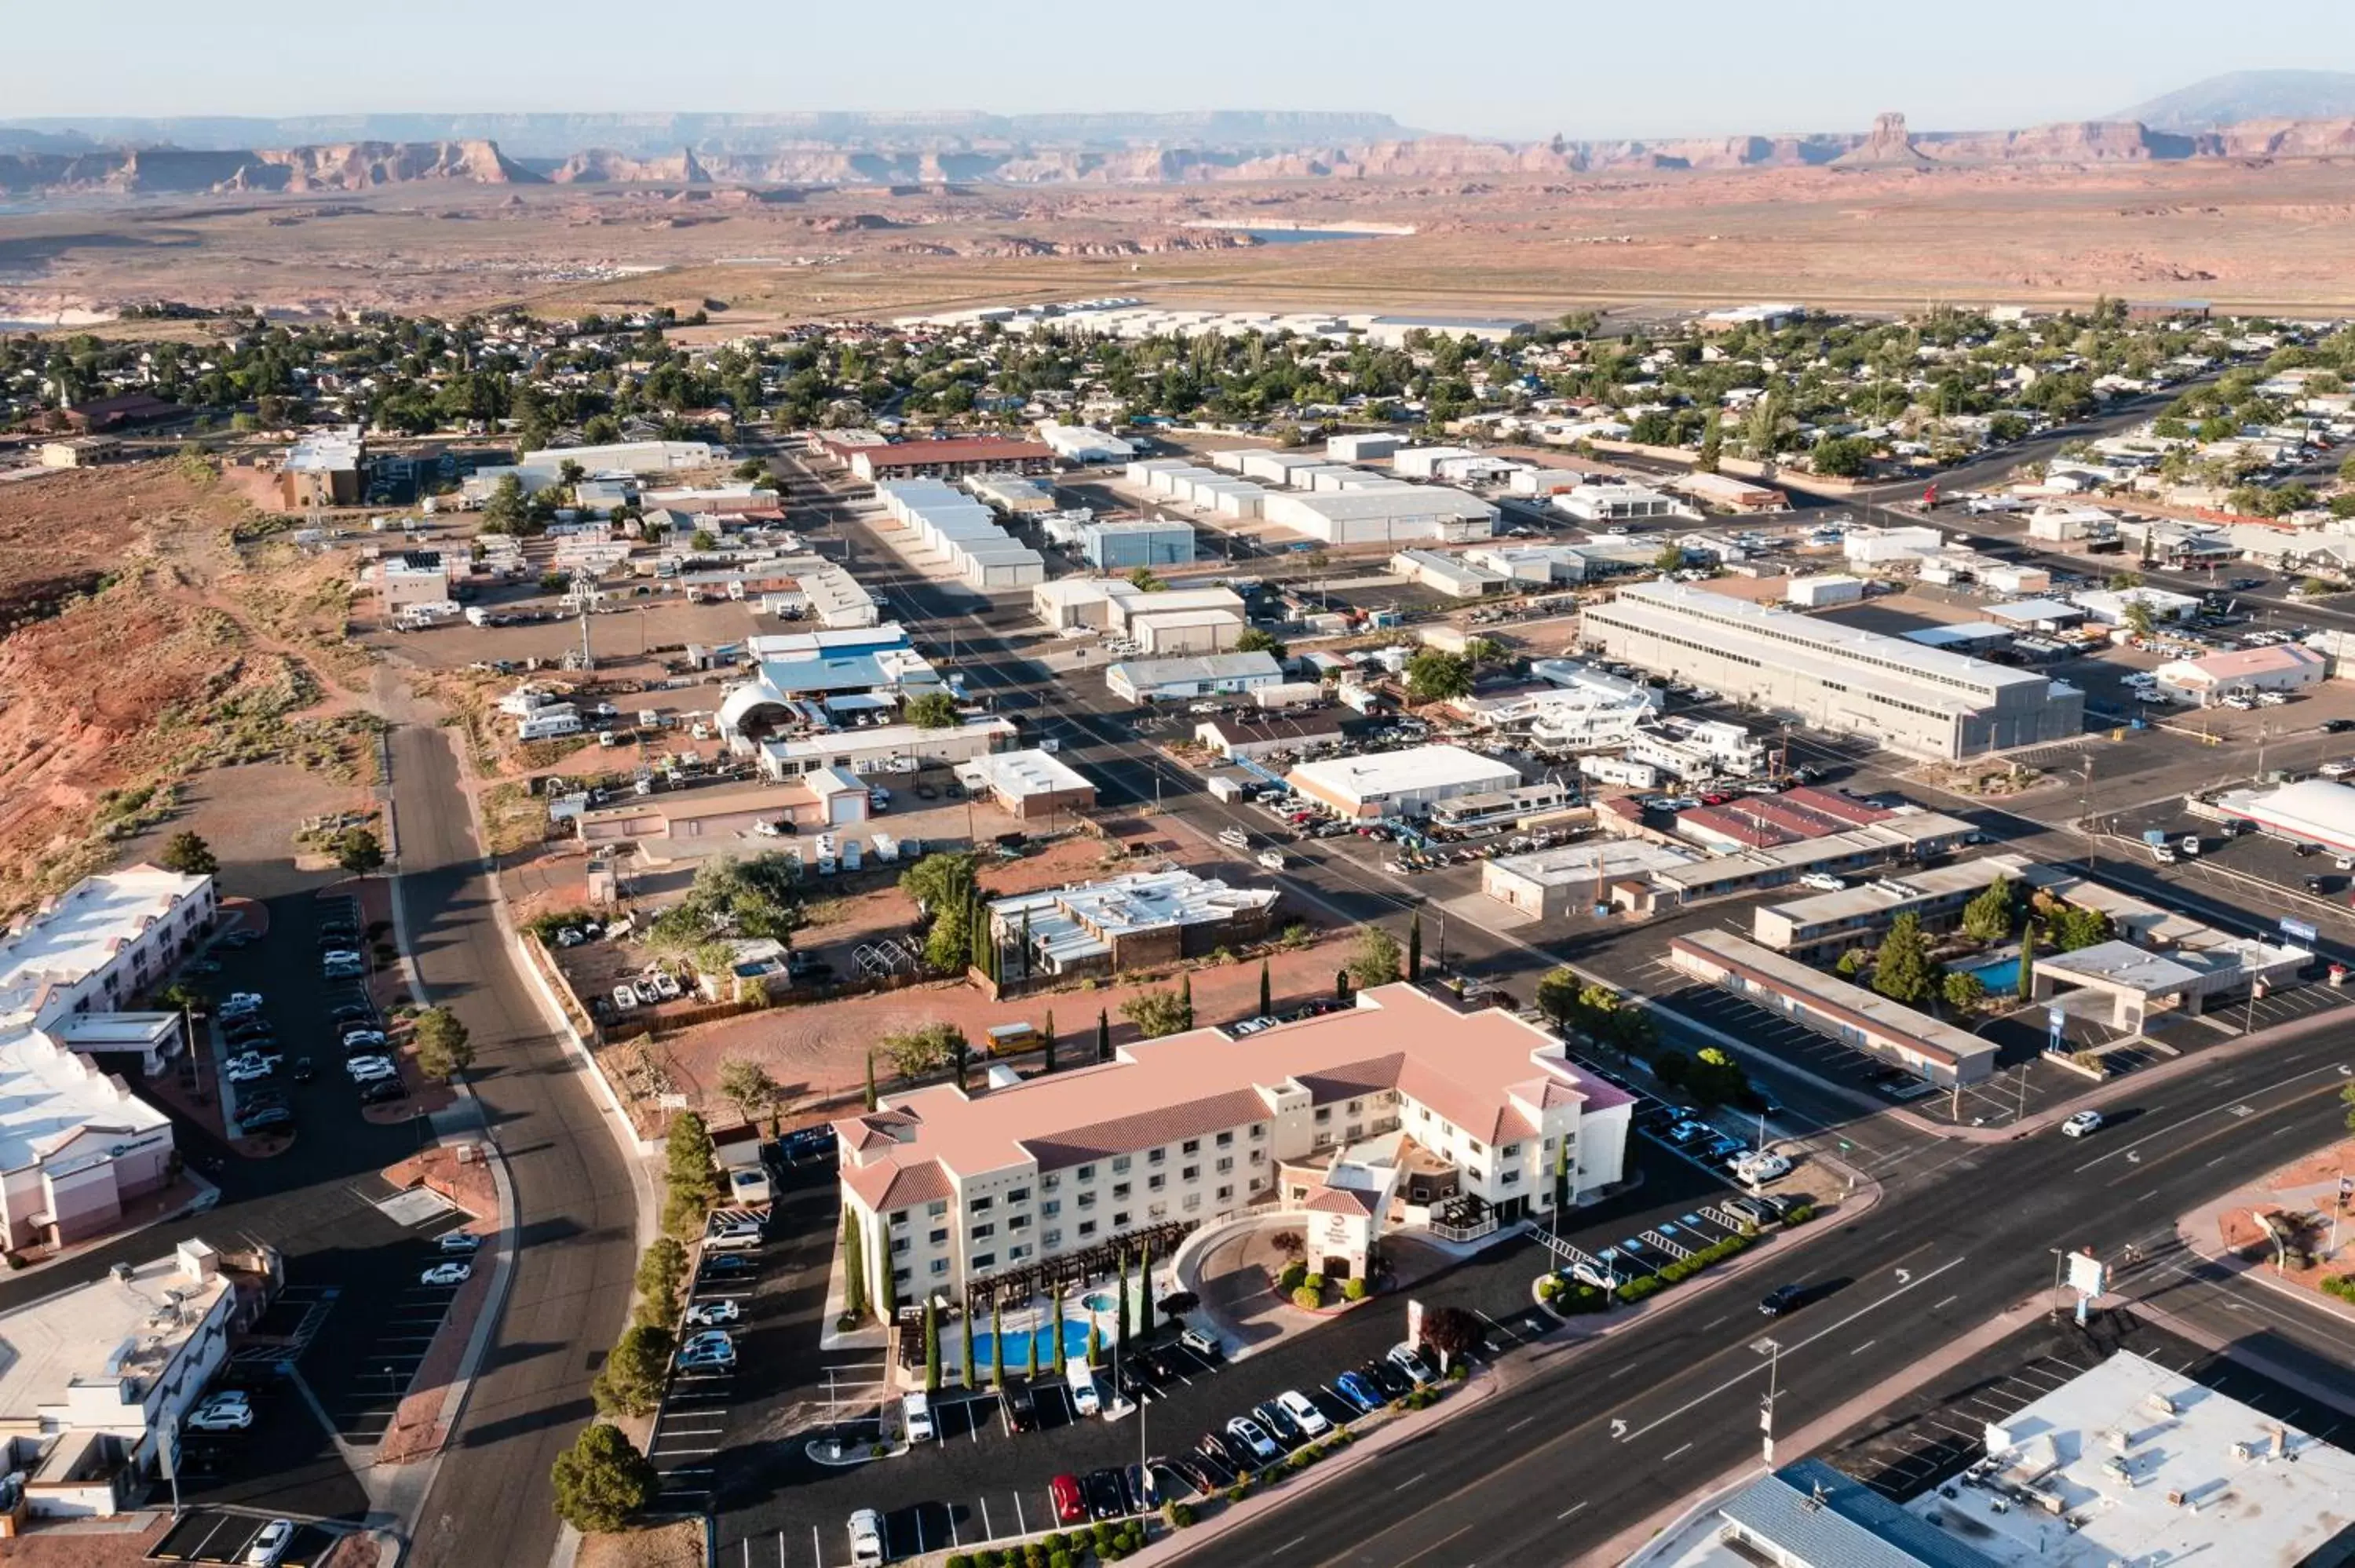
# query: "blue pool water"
x,y
1997,975
1017,1346
1097,1301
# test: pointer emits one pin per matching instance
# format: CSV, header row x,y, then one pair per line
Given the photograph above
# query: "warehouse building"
x,y
949,459
939,523
887,749
1862,1020
1554,883
2310,811
1125,545
1404,783
1084,443
1171,680
1451,575
1617,503
1402,1101
1011,494
1832,677
1029,785
1239,738
1164,633
1383,517
2108,606
1392,331
1361,448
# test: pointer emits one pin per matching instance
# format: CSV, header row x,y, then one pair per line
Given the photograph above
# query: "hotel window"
x,y
1120,1221
1051,1239
1323,1113
1354,1106
1087,1229
1017,1254
1018,1195
1156,1211
984,1260
1193,1200
1155,1183
1191,1174
938,1238
1510,1177
1119,1163
1085,1173
1049,1181
1258,1156
1258,1133
1050,1207
1225,1194
1227,1139
1087,1200
1018,1222
1226,1163
1194,1145
1357,1130
937,1207
898,1217
899,1243
901,1277
1119,1191
1474,1145
940,1266
1157,1157
980,1205
983,1232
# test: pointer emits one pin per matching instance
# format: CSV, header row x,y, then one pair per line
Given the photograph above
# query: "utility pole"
x,y
1773,1350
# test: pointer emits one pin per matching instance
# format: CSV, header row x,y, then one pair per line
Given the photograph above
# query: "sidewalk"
x,y
2225,1232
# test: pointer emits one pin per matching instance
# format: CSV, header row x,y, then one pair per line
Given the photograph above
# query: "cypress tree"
x,y
962,1055
1560,1177
1266,992
888,1306
932,1347
1341,984
1145,1293
971,1372
1104,1036
1055,1328
1120,1311
1051,1039
1034,1352
1186,998
854,1265
2027,961
997,1347
1095,1340
870,1080
1414,947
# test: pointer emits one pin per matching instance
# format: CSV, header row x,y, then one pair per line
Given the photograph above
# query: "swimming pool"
x,y
1017,1346
1996,974
1098,1301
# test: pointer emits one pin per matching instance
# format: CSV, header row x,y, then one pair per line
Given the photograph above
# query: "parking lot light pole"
x,y
1772,1349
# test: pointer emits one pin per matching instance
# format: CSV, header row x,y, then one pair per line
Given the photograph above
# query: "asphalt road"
x,y
576,1213
1592,1444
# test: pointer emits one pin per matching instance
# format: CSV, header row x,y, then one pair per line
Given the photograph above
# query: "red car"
x,y
1070,1507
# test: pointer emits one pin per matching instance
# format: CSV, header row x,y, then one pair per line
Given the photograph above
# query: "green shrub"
x,y
1459,1371
1055,1541
1308,1298
1315,1282
958,1560
1800,1215
1637,1290
1549,1287
2341,1285
1294,1277
1059,1560
1353,1290
1179,1515
1239,1490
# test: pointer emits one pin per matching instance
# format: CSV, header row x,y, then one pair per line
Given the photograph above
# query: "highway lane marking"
x,y
2196,1116
1524,1421
1749,1372
1864,1346
1623,1372
1568,1511
1288,1545
1944,1301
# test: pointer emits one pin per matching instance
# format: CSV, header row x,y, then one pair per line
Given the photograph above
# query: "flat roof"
x,y
1830,994
887,738
50,1095
99,1332
1414,768
1605,861
2113,1448
1199,667
2030,611
1016,774
1916,885
2320,811
911,454
76,934
1488,1072
2241,662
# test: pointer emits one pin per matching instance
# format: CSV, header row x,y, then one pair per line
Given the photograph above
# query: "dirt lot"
x,y
141,644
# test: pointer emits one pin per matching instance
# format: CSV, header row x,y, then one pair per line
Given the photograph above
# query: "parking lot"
x,y
975,1481
223,1535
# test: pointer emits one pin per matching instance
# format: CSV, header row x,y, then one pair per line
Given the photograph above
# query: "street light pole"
x,y
1773,1350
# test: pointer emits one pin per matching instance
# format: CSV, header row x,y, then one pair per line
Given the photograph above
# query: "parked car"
x,y
219,1418
246,1069
728,1266
464,1244
1202,1345
866,1539
1020,1406
1355,1389
351,1012
266,1549
371,1069
1107,1497
383,1091
303,1070
1226,1446
1408,1359
1071,1504
1274,1421
447,1274
625,997
1304,1413
264,1118
1393,1383
1757,1170
1211,1457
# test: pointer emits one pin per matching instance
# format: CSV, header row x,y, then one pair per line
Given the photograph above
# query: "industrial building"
x,y
1865,1020
949,459
1823,590
1455,576
323,468
1911,699
2108,606
1539,566
1125,545
1906,838
887,749
695,824
1384,515
1084,443
1404,783
1598,713
1027,785
412,579
1593,503
1735,494
939,523
1363,1121
1254,736
1011,494
1143,920
1204,489
1169,680
1361,448
1553,883
2310,811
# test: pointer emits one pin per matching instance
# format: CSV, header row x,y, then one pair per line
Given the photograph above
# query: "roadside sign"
x,y
1414,1322
2054,1021
2297,930
2154,836
2088,1276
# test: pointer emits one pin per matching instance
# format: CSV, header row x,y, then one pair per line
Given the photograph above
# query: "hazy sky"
x,y
1506,68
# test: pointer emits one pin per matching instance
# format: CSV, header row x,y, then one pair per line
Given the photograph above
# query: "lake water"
x,y
1307,235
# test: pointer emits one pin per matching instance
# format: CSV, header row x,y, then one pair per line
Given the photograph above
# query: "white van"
x,y
866,1538
1082,1382
916,1416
